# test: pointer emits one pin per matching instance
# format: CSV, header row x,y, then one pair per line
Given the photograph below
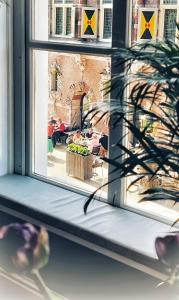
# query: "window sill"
x,y
118,233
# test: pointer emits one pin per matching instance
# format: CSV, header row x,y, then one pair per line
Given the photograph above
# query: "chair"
x,y
63,138
96,164
95,150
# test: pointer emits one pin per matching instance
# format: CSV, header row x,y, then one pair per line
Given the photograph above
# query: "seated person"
x,y
94,142
104,144
61,125
59,129
50,129
77,137
52,120
50,132
89,133
69,139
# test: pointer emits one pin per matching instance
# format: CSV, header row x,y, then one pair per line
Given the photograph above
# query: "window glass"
x,y
170,24
66,87
154,124
169,1
107,23
71,20
68,20
106,1
59,21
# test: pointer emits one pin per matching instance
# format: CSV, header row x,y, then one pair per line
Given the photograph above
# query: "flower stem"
x,y
41,285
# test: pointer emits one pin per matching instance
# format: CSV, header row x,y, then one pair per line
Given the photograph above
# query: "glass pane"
x,y
72,20
107,23
170,1
68,21
157,123
170,24
107,1
66,86
59,21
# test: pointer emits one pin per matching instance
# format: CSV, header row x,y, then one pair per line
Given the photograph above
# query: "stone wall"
x,y
77,74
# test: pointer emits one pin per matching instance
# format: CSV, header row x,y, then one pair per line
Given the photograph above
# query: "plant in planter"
x,y
79,161
82,150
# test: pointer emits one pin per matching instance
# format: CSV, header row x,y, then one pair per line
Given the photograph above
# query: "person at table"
x,y
89,133
77,137
53,120
50,129
61,126
93,143
69,139
104,144
50,133
59,129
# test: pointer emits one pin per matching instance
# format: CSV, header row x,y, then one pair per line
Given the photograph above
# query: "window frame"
x,y
23,93
104,6
28,45
64,6
163,8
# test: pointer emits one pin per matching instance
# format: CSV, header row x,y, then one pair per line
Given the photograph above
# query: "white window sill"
x,y
118,233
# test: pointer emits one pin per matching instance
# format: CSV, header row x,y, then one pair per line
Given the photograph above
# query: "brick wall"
x,y
79,75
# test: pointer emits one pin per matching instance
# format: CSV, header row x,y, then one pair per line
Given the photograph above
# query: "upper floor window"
x,y
170,24
169,17
63,16
154,19
106,19
72,20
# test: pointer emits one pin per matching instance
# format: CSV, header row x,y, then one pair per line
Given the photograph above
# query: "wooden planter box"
x,y
79,166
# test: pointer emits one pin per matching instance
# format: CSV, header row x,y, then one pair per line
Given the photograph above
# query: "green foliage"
x,y
82,150
147,88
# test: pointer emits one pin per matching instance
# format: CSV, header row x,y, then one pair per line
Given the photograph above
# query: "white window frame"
x,y
163,8
101,22
64,6
40,41
6,90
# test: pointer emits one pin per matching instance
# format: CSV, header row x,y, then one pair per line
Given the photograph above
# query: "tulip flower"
x,y
25,249
167,249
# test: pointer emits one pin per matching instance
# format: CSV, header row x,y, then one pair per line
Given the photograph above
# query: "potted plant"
x,y
82,150
79,161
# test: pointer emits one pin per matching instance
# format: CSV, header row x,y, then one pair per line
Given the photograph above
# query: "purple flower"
x,y
23,248
167,249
